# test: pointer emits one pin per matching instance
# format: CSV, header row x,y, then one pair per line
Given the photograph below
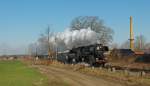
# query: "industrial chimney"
x,y
131,35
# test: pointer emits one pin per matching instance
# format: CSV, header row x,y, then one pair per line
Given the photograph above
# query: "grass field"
x,y
15,73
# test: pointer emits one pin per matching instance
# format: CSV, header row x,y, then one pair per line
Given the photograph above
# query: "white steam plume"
x,y
69,39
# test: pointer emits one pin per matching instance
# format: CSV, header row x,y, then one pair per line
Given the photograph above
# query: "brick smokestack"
x,y
131,34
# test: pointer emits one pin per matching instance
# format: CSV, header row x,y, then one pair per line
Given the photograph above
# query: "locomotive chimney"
x,y
131,35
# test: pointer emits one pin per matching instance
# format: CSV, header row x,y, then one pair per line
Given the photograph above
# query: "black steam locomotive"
x,y
91,54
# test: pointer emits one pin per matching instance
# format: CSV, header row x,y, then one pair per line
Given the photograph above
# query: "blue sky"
x,y
22,21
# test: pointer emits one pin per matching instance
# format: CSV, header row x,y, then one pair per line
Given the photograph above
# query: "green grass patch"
x,y
15,73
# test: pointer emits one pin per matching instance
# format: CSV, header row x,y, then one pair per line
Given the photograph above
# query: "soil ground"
x,y
63,77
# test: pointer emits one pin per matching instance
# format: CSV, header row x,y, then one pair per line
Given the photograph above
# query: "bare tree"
x,y
105,33
45,46
42,45
140,42
147,46
125,45
32,49
114,46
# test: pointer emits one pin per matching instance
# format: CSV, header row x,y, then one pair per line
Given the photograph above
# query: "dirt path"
x,y
63,77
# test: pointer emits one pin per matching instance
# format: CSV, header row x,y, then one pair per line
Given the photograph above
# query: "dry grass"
x,y
120,77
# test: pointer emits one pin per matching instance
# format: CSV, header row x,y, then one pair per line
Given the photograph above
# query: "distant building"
x,y
122,52
125,52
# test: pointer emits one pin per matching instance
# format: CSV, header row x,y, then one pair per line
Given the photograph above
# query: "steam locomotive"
x,y
91,54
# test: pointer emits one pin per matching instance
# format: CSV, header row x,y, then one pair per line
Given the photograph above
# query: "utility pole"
x,y
56,48
49,54
36,50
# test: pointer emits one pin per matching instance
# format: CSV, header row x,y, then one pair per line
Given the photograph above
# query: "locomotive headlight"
x,y
96,59
98,48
